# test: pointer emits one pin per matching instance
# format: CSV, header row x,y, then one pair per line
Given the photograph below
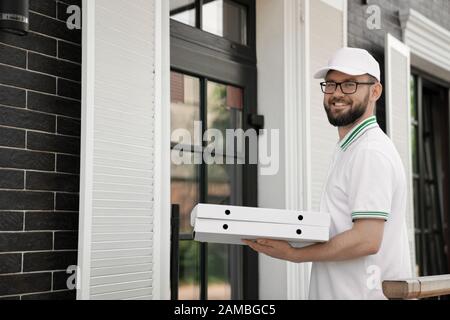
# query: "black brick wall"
x,y
373,40
40,114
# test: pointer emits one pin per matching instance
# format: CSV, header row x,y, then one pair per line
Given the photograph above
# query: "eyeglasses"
x,y
347,87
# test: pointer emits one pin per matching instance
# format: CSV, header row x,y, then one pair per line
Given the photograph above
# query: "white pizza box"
x,y
233,232
225,212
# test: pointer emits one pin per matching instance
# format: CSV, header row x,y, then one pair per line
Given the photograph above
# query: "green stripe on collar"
x,y
357,132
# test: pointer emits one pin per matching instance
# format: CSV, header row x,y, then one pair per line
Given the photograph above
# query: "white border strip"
x,y
345,22
297,127
87,147
393,43
162,207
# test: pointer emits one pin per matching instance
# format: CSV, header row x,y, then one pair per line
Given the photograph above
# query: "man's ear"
x,y
377,91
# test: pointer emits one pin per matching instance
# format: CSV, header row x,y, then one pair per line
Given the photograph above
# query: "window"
x,y
184,11
224,18
430,157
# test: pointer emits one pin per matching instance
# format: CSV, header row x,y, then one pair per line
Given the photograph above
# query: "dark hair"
x,y
372,78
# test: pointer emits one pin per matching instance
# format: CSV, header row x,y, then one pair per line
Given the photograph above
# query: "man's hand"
x,y
273,248
364,239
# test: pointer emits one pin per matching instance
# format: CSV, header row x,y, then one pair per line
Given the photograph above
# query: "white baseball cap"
x,y
352,61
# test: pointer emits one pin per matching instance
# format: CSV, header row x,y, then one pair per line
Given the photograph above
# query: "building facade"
x,y
40,113
424,28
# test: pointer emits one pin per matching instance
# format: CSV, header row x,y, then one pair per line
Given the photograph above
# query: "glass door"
x,y
213,88
200,108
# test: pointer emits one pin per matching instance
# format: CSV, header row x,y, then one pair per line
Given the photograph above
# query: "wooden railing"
x,y
417,288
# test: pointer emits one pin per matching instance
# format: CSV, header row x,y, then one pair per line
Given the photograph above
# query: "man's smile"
x,y
339,106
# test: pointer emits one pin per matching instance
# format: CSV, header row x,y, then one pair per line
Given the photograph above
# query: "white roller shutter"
x,y
120,224
398,114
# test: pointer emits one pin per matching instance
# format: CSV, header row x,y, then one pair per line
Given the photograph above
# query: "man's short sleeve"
x,y
371,185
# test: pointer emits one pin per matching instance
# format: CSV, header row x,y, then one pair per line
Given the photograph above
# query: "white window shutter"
x,y
398,114
119,255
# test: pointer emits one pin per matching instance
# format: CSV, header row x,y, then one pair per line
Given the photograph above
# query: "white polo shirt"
x,y
366,180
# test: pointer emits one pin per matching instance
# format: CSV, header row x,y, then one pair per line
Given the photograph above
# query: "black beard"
x,y
349,117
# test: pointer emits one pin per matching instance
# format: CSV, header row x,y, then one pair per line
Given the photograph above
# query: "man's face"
x,y
345,109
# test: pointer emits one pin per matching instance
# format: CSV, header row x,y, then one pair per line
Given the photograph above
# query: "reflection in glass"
x,y
413,98
226,19
415,147
185,190
416,190
417,220
183,11
185,107
225,183
224,187
225,106
189,280
219,287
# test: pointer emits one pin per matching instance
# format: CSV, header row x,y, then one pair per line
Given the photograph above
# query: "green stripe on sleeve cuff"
x,y
370,215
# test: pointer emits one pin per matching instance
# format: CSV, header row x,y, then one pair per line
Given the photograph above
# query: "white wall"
x,y
429,43
294,39
271,189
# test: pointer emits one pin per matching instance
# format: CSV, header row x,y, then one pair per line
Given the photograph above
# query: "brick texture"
x,y
40,111
374,40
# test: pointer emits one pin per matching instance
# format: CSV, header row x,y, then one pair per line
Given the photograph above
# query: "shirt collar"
x,y
357,132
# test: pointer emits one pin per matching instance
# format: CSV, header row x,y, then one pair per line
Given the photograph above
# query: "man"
x,y
365,193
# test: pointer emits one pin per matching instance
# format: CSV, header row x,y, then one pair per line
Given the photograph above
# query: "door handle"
x,y
256,122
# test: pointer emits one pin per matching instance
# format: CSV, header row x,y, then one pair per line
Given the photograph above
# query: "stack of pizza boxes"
x,y
232,224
